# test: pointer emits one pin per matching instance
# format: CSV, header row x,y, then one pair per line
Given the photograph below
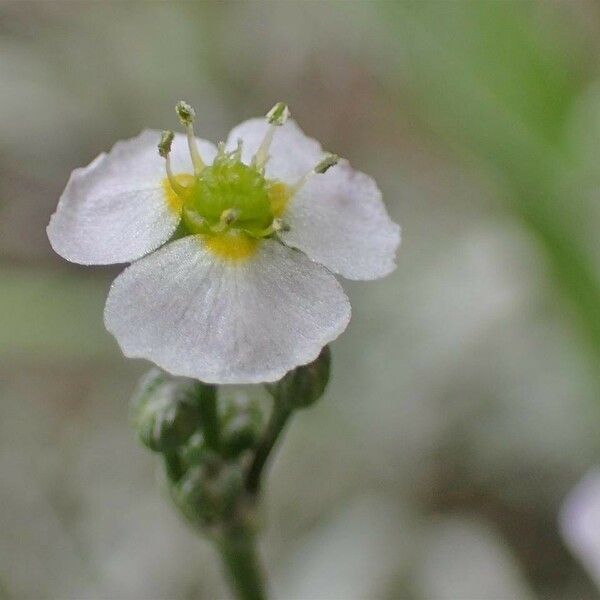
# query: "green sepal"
x,y
166,411
304,385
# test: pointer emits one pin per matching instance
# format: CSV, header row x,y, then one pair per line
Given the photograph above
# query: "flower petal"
x,y
580,522
339,220
292,153
115,209
226,321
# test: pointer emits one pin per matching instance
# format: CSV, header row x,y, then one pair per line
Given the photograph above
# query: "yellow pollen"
x,y
174,202
231,245
279,195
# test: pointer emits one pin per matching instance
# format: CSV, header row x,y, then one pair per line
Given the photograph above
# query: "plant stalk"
x,y
208,406
240,558
279,417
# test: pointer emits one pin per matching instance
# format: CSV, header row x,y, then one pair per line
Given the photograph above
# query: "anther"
x,y
186,116
321,167
166,140
185,113
276,226
276,117
329,161
164,149
279,225
279,114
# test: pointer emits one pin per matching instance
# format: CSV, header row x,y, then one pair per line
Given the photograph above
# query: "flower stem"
x,y
279,417
173,465
242,565
208,406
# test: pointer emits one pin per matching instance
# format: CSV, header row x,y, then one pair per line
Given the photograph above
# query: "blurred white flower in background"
x,y
464,558
580,522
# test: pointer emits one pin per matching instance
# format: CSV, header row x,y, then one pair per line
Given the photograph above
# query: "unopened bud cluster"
x,y
208,440
203,443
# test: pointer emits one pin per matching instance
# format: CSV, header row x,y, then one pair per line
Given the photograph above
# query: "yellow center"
x,y
231,245
174,202
279,195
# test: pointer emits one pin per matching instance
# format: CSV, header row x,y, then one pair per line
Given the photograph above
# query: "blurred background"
x,y
464,403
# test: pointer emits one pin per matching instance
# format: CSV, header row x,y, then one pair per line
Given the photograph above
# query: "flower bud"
x,y
193,497
206,497
304,385
165,410
240,432
197,452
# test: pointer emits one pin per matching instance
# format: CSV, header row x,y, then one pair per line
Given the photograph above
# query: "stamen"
x,y
279,225
238,151
165,143
329,161
164,149
279,114
276,226
276,117
321,167
227,218
186,116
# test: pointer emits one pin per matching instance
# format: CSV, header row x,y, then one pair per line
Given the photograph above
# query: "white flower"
x,y
245,292
580,522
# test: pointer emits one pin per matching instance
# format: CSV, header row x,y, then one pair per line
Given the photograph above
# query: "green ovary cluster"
x,y
228,194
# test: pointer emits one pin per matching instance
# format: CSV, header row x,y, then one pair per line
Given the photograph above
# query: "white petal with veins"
x,y
340,221
224,321
114,210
